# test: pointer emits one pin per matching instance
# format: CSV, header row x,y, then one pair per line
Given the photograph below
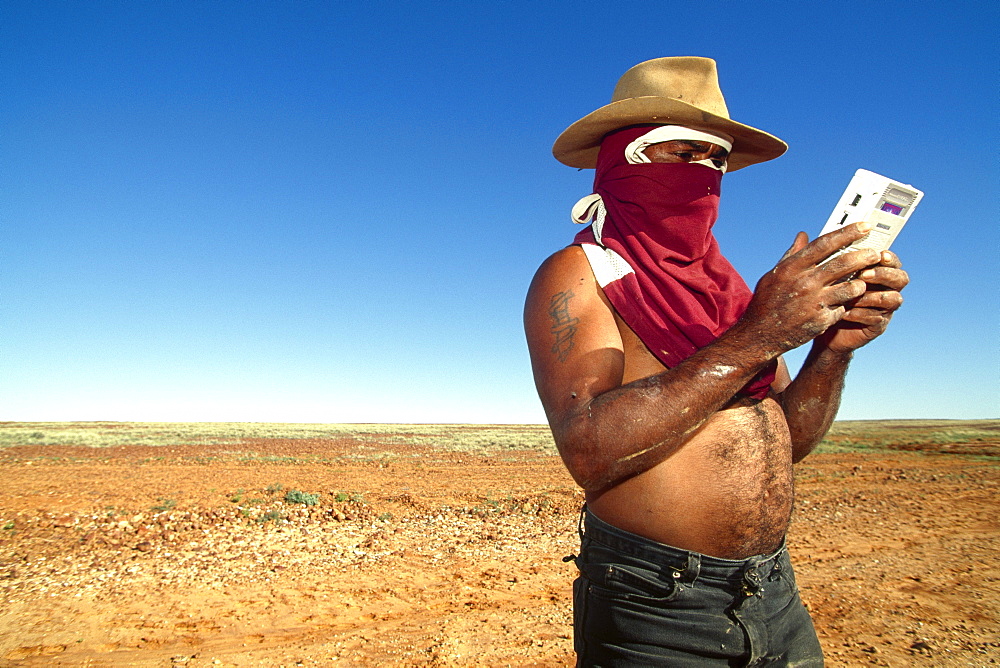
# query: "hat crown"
x,y
689,79
680,90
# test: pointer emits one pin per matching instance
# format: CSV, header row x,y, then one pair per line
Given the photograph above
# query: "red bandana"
x,y
681,293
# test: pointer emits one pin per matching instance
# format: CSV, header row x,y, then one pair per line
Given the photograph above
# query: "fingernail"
x,y
868,273
866,226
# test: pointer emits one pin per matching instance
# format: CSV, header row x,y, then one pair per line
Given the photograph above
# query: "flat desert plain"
x,y
139,544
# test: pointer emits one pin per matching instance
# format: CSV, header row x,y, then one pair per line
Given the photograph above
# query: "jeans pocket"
x,y
632,583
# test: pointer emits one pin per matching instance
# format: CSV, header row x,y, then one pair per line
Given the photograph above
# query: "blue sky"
x,y
330,212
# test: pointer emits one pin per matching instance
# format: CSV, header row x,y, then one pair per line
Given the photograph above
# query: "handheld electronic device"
x,y
871,197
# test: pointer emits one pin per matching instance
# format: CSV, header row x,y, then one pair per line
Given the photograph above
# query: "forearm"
x,y
632,428
811,401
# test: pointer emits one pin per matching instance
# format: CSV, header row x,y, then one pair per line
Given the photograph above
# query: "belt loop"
x,y
776,566
691,569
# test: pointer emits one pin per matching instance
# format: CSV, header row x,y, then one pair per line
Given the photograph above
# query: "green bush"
x,y
295,496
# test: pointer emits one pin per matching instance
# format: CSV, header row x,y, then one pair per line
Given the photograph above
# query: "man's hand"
x,y
801,300
868,316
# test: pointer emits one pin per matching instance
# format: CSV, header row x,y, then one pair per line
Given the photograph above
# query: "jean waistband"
x,y
688,566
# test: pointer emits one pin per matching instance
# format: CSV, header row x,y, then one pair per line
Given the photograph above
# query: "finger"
x,y
888,277
870,318
890,259
883,300
842,293
828,244
848,264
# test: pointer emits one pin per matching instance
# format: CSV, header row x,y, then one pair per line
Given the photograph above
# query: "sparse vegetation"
x,y
457,437
881,435
295,496
163,505
270,516
854,435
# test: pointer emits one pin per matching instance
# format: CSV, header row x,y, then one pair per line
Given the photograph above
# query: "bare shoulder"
x,y
568,263
563,297
575,345
565,275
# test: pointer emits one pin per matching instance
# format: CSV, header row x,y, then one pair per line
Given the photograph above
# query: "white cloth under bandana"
x,y
634,152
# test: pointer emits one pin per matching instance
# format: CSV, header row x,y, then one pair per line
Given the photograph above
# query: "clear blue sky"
x,y
330,211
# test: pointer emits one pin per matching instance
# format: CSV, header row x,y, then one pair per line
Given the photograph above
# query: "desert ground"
x,y
139,544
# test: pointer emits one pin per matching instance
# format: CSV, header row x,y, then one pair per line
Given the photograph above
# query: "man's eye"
x,y
684,156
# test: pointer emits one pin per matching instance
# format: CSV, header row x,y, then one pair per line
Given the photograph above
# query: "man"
x,y
662,380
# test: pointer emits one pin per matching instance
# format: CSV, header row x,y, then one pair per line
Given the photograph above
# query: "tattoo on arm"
x,y
563,325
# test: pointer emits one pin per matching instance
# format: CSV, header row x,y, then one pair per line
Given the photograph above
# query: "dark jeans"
x,y
642,603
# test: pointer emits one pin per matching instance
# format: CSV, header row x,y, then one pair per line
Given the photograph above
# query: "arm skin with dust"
x,y
607,431
811,401
631,428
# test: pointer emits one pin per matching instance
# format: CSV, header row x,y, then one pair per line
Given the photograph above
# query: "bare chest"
x,y
729,489
727,492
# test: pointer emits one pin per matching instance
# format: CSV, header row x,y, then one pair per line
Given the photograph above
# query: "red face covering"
x,y
681,293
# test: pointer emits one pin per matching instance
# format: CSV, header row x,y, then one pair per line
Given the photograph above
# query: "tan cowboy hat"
x,y
668,91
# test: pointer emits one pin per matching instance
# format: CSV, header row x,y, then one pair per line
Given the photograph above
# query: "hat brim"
x,y
580,143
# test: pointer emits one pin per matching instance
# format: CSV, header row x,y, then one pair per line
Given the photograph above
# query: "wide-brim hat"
x,y
666,91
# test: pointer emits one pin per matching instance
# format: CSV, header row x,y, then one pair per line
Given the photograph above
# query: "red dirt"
x,y
189,556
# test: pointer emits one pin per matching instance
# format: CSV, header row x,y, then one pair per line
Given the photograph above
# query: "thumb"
x,y
801,241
